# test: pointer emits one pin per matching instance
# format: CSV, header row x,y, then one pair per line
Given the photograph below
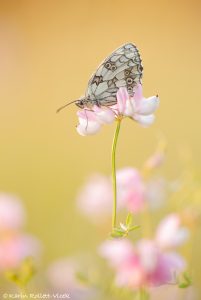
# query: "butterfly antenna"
x,y
62,107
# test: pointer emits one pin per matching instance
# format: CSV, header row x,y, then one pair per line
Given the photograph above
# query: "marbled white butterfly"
x,y
122,68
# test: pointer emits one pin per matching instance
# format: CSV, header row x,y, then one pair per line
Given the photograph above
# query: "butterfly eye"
x,y
129,80
127,73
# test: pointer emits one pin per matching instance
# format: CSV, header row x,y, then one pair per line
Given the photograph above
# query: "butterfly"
x,y
122,68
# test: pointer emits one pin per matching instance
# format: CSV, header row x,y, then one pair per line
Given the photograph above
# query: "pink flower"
x,y
137,107
170,232
15,248
116,251
95,198
130,189
63,276
12,215
144,264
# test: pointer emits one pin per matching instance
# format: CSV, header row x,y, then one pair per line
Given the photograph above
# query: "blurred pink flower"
x,y
15,248
137,107
116,251
63,276
95,198
12,214
170,232
144,264
130,189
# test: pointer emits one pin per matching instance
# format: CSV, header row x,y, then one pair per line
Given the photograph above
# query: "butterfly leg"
x,y
85,111
86,118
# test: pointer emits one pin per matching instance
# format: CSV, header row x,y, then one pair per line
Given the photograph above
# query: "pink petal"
x,y
138,93
130,189
131,276
104,115
148,253
95,199
122,97
169,265
88,123
86,115
12,215
116,251
14,249
176,262
170,233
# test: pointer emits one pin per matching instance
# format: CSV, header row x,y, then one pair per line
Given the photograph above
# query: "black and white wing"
x,y
122,68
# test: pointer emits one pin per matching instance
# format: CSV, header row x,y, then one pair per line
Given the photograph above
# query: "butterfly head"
x,y
82,103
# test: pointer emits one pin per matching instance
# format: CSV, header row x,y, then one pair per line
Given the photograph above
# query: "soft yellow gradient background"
x,y
48,51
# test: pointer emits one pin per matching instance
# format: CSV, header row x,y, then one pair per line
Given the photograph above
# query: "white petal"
x,y
145,121
130,108
105,116
88,129
148,105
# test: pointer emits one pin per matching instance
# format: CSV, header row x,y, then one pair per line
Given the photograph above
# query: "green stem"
x,y
144,294
114,181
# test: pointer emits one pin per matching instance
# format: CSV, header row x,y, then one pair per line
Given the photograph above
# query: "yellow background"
x,y
48,51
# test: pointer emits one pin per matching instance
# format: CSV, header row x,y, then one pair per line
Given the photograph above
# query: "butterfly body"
x,y
122,68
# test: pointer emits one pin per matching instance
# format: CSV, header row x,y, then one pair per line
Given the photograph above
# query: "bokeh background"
x,y
48,50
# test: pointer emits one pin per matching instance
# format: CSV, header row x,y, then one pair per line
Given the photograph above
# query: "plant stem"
x,y
114,181
143,294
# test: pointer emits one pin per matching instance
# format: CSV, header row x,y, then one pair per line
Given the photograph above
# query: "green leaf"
x,y
134,227
22,275
117,232
187,278
129,219
183,285
82,277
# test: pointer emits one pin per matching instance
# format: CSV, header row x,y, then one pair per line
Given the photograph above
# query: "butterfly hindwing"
x,y
121,69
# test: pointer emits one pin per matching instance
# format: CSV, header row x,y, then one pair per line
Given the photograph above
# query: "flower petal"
x,y
116,251
89,128
170,233
86,115
148,105
104,115
145,121
130,108
122,97
138,93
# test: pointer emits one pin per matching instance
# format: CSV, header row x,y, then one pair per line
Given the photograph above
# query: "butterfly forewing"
x,y
121,69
